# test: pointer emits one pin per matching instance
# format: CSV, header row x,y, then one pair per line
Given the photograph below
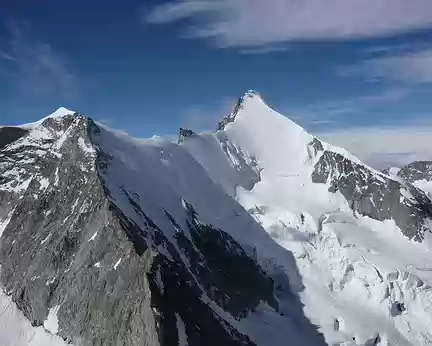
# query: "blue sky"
x,y
149,67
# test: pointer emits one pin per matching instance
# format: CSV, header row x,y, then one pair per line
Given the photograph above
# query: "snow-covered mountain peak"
x,y
56,115
253,118
267,135
249,96
61,112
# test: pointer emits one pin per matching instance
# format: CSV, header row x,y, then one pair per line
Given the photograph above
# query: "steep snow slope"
x,y
167,181
346,223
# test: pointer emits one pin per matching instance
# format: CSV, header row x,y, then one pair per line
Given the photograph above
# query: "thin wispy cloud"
x,y
34,68
242,23
385,96
264,49
385,146
409,68
336,112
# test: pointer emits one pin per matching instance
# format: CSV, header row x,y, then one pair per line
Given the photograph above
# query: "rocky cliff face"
x,y
374,195
419,170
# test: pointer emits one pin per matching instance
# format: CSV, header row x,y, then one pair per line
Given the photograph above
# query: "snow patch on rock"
x,y
84,147
93,237
16,330
51,323
117,264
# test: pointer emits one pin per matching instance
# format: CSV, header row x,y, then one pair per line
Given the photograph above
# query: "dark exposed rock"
x,y
418,170
179,297
374,195
376,340
397,309
184,134
317,146
231,278
10,134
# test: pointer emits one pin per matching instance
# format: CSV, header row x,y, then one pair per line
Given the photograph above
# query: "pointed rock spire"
x,y
184,134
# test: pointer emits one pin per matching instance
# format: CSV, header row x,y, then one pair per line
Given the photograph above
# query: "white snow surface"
x,y
361,281
51,323
393,171
356,271
59,113
159,175
3,225
16,330
117,263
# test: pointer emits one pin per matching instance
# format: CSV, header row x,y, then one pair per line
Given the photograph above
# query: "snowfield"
x,y
365,283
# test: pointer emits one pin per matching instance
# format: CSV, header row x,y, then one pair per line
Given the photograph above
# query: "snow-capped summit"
x,y
267,134
248,96
61,112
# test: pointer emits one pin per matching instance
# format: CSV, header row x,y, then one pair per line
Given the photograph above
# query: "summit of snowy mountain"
x,y
61,112
250,96
254,235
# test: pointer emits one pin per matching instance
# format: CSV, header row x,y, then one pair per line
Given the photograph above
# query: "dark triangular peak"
x,y
184,134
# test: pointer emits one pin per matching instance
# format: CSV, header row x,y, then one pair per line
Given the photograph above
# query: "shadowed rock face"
x,y
218,261
69,246
373,195
10,134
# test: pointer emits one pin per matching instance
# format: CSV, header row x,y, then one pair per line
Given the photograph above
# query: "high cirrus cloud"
x,y
34,67
245,23
383,147
410,67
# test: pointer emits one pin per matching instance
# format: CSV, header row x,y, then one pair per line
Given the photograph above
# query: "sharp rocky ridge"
x,y
254,235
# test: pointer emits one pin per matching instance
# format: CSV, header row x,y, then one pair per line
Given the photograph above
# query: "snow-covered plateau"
x,y
257,234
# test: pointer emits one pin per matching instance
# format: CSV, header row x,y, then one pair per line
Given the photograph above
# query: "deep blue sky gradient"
x,y
147,79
